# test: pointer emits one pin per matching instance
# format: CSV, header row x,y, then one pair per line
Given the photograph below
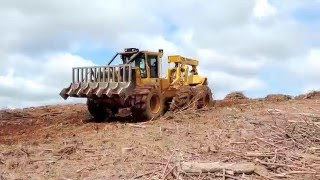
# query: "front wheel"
x,y
98,110
151,107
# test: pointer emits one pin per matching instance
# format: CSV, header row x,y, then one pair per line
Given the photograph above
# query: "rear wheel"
x,y
98,110
182,98
203,96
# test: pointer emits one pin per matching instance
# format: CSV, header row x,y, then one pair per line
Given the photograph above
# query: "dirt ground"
x,y
281,138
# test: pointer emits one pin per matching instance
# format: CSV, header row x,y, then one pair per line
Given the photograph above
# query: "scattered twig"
x,y
297,172
169,172
147,173
282,165
137,126
177,175
224,176
196,167
261,139
259,154
157,163
165,168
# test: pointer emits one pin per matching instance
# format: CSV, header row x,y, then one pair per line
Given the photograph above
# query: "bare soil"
x,y
61,142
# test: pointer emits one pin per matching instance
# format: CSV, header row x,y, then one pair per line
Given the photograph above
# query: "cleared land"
x,y
279,136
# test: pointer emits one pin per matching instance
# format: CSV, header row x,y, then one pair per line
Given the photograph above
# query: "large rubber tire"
x,y
203,96
98,110
182,98
151,106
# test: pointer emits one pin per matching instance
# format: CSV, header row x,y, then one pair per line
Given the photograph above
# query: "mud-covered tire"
x,y
150,107
182,98
203,96
113,110
167,105
98,110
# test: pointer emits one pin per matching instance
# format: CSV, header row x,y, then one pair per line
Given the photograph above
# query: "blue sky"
x,y
255,46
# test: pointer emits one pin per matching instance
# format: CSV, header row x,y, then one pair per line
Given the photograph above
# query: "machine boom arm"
x,y
183,60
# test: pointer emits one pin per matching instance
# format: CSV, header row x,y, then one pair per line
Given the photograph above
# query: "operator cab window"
x,y
141,63
153,64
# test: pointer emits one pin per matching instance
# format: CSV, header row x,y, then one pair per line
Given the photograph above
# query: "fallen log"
x,y
237,168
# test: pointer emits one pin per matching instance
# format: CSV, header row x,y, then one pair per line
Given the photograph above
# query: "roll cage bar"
x,y
132,56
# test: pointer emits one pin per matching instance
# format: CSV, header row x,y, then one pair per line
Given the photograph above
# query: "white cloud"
x,y
228,63
263,8
306,69
222,83
311,65
38,81
234,41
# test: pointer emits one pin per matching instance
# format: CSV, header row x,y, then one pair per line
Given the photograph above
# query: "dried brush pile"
x,y
235,96
310,95
278,97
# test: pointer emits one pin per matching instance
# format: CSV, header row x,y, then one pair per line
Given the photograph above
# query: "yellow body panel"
x,y
196,79
180,75
182,60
